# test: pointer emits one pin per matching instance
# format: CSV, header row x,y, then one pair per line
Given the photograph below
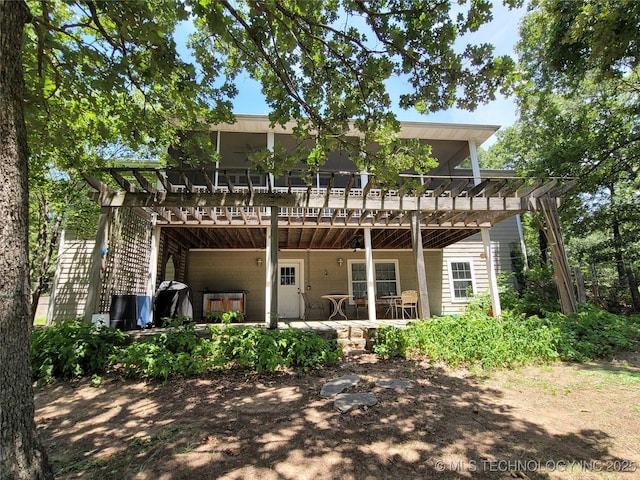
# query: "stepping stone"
x,y
395,384
336,386
346,401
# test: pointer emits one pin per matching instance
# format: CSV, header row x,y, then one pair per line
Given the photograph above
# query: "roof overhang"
x,y
419,130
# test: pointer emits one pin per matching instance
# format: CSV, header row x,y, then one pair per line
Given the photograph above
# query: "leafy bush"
x,y
480,339
594,333
75,348
264,350
71,349
537,296
512,339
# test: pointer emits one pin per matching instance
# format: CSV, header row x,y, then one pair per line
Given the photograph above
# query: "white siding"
x,y
503,238
70,289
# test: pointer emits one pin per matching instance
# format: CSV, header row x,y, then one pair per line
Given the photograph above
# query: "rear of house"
x,y
248,242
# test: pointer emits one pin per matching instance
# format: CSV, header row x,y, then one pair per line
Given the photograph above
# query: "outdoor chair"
x,y
360,302
408,301
310,305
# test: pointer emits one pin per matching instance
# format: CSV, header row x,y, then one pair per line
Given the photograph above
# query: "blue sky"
x,y
502,32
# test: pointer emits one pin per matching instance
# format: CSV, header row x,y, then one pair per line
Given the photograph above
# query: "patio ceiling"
x,y
312,238
221,214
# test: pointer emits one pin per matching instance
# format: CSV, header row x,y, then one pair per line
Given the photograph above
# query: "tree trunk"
x,y
21,454
625,276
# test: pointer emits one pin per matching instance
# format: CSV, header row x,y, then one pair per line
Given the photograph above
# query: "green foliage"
x,y
511,340
264,350
537,296
72,349
77,349
594,333
391,342
225,317
578,116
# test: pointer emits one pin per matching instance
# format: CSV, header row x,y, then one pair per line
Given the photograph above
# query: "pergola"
x,y
203,208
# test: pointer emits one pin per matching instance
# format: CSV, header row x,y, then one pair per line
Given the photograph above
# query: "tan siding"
x,y
226,270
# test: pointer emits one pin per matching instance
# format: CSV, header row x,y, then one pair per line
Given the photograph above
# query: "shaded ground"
x,y
559,421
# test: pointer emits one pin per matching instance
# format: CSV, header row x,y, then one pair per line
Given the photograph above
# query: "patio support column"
x,y
486,240
95,277
153,262
271,289
496,308
418,257
371,280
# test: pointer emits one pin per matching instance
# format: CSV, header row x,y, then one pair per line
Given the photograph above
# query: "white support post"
x,y
153,263
271,143
418,256
486,239
95,277
215,179
271,291
371,280
491,271
268,286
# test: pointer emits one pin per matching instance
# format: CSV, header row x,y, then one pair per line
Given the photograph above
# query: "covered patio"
x,y
441,211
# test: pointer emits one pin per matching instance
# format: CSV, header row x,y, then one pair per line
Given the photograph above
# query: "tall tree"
x,y
104,72
21,454
579,117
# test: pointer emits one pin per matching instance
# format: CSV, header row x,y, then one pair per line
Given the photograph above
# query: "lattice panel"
x,y
126,266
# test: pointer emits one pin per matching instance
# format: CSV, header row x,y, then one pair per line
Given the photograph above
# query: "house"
x,y
252,242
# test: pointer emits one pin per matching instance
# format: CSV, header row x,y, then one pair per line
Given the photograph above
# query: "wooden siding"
x,y
70,288
238,270
503,238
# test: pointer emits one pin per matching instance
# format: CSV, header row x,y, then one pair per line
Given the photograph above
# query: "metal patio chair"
x,y
310,305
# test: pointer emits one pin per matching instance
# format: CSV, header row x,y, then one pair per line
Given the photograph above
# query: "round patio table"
x,y
337,299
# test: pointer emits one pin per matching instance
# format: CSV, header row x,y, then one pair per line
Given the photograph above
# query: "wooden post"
x,y
95,277
371,278
582,294
594,285
153,263
496,307
271,290
486,239
418,257
556,244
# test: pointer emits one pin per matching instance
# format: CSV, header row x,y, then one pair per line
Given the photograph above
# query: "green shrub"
x,y
594,333
390,342
264,350
538,295
306,350
180,351
73,348
477,339
487,341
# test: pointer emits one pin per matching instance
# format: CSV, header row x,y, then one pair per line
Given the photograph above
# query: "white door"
x,y
289,284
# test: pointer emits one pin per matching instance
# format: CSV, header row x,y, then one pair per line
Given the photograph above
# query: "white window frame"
x,y
452,292
350,262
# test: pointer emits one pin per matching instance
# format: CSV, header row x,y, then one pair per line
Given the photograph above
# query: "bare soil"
x,y
576,421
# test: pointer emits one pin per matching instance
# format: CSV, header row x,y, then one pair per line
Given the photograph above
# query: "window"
x,y
386,278
287,275
461,279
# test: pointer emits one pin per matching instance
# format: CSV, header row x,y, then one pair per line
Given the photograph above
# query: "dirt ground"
x,y
575,421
